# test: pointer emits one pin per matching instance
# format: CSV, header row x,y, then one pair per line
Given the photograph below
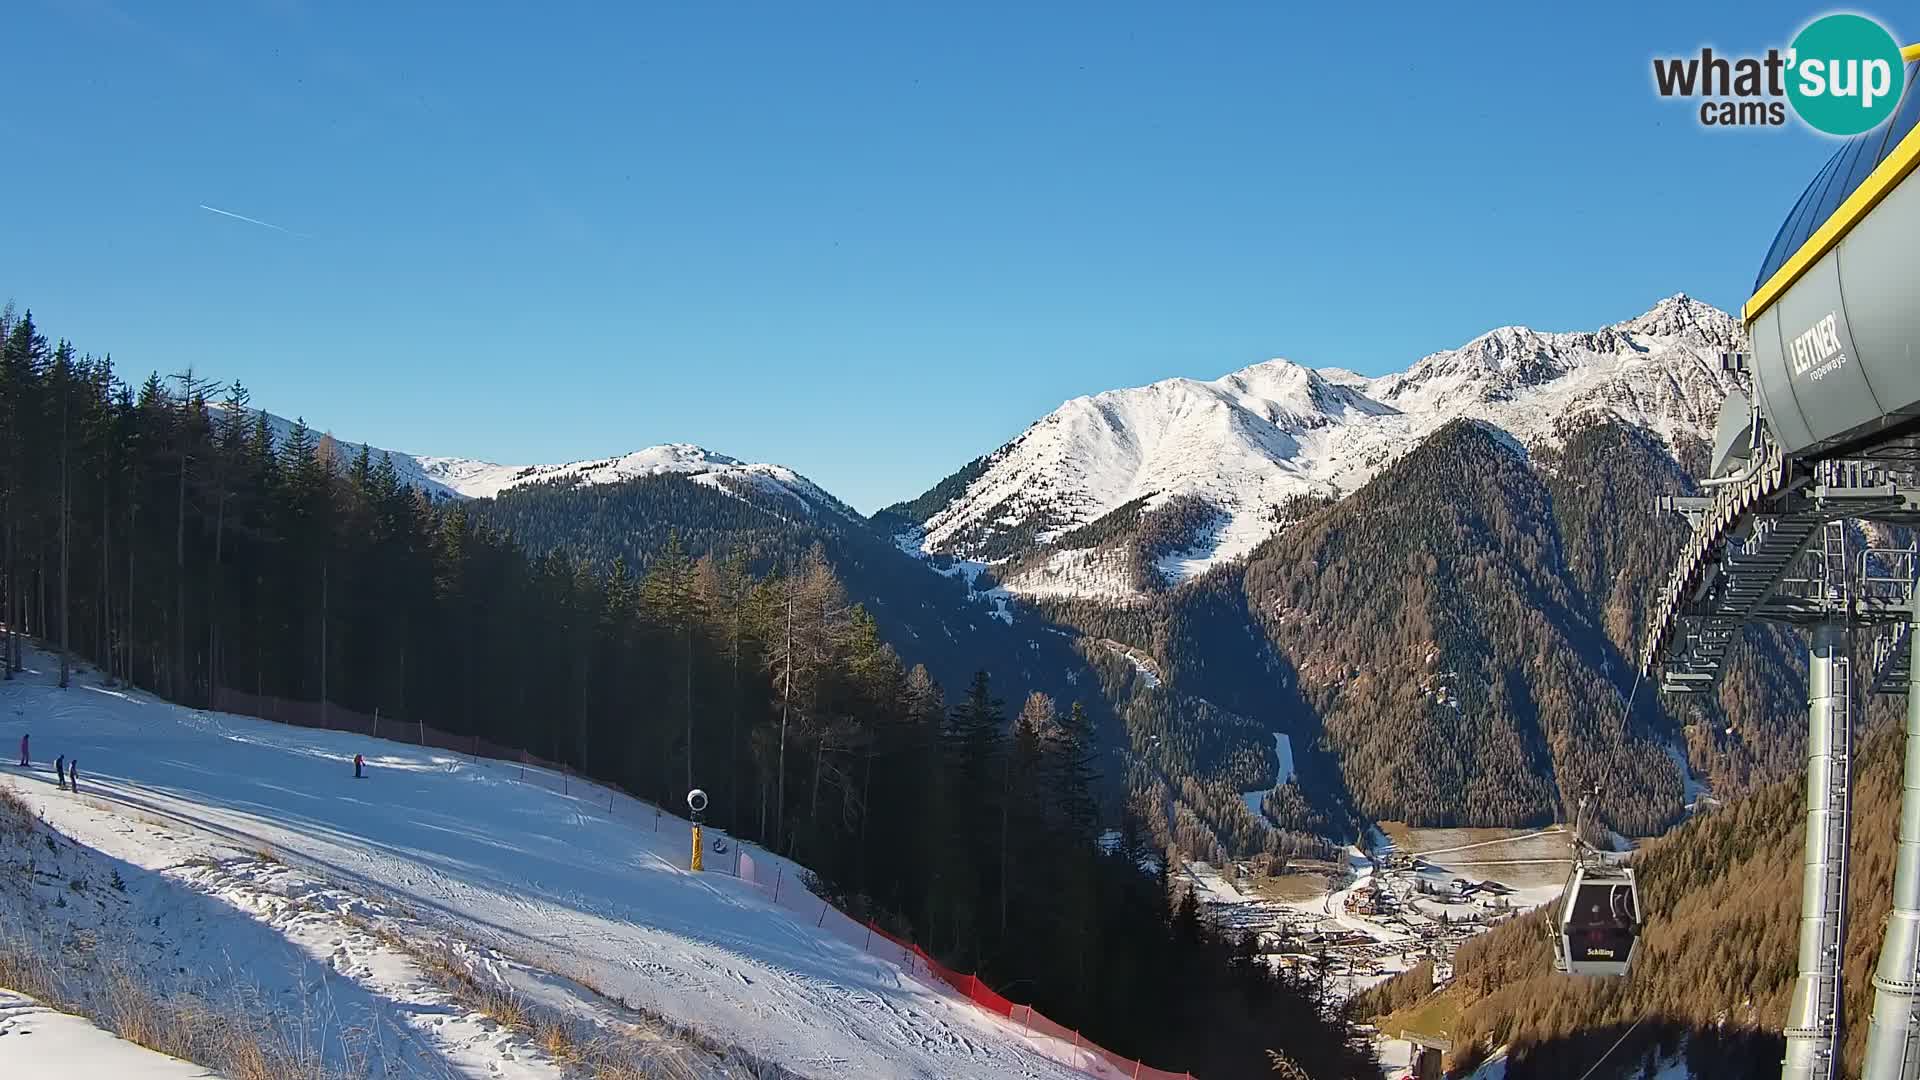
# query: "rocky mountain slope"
x,y
1238,453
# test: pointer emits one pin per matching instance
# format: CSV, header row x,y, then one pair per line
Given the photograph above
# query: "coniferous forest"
x,y
162,536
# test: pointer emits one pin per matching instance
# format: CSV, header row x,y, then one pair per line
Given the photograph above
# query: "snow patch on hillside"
x,y
1086,572
1693,788
1283,762
1140,661
998,598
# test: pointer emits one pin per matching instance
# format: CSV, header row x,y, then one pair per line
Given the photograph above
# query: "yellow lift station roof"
x,y
1854,181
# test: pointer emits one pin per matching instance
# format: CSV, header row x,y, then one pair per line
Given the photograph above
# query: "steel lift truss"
x,y
1785,541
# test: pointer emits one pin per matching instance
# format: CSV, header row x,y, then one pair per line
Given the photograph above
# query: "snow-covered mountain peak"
x,y
1681,316
471,478
1340,376
1293,394
1247,442
677,457
479,479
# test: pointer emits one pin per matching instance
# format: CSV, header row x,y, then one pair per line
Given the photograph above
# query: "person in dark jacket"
x,y
358,767
24,759
60,770
73,775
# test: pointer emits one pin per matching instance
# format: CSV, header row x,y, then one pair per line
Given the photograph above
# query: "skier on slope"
x,y
358,767
60,770
73,775
25,761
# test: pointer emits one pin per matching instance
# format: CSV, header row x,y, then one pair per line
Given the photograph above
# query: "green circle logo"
x,y
1846,74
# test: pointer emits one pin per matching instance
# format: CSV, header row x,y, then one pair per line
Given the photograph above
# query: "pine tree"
x,y
672,601
61,377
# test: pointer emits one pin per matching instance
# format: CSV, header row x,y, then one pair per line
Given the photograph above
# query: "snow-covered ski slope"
x,y
553,879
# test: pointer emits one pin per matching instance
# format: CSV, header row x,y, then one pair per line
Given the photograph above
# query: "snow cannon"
x,y
697,803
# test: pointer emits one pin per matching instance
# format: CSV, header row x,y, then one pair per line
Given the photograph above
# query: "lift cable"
x,y
1580,841
1611,1049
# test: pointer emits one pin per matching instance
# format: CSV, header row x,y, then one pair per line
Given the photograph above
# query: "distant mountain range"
x,y
471,478
1197,561
1235,451
1238,449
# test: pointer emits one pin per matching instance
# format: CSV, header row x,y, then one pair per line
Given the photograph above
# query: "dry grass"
x,y
653,1050
228,1032
28,972
556,1037
1286,1066
233,1037
16,817
229,1037
489,997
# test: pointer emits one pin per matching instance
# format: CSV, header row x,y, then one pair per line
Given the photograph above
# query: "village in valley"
x,y
1413,895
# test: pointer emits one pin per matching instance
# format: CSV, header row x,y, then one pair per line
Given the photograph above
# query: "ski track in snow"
x,y
512,865
1283,760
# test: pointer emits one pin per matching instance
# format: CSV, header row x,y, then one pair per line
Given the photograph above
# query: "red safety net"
x,y
1053,1041
1056,1042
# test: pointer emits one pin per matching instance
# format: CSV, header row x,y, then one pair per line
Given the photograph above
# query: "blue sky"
x,y
868,241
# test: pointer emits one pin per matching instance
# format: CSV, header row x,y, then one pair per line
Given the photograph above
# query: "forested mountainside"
x,y
1457,670
1158,741
1716,966
1454,643
1427,645
937,620
1604,479
180,546
1449,645
1449,640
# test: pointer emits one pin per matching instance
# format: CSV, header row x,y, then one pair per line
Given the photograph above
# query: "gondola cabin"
x,y
1599,922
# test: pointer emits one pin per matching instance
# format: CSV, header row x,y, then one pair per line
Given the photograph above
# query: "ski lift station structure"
x,y
1830,438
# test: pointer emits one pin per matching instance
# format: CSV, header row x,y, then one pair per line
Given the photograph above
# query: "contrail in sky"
x,y
250,221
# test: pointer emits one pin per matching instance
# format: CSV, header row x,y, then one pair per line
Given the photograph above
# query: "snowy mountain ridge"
x,y
479,479
1250,440
472,478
